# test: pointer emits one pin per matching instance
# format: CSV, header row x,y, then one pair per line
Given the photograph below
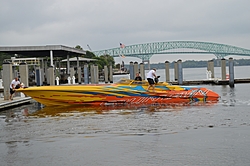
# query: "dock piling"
x,y
86,74
131,70
223,69
175,71
167,71
106,79
110,73
24,73
180,73
231,72
142,71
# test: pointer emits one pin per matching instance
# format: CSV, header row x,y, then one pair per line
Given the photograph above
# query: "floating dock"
x,y
212,81
5,104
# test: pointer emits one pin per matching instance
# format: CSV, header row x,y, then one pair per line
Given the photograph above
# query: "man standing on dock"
x,y
15,84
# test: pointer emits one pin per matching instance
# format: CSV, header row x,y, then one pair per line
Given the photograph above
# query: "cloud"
x,y
104,24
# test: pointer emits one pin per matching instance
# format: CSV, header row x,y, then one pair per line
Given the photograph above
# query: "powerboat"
x,y
124,92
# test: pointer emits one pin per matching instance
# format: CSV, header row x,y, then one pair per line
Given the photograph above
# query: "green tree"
x,y
3,56
78,47
104,60
109,60
89,55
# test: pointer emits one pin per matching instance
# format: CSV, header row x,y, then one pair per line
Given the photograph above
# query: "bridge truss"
x,y
147,50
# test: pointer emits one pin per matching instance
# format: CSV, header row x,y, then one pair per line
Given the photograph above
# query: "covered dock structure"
x,y
43,51
51,51
34,55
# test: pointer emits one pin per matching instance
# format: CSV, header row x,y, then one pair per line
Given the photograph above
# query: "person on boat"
x,y
138,77
15,84
150,77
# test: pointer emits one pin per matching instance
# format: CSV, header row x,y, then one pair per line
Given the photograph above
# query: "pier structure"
x,y
51,74
178,74
43,55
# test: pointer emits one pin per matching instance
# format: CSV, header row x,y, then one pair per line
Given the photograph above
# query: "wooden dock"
x,y
5,104
211,82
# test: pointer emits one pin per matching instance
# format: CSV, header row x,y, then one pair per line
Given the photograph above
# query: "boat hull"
x,y
118,94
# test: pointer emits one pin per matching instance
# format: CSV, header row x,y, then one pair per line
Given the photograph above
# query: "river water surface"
x,y
198,134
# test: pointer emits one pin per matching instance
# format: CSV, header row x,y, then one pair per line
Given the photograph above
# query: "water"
x,y
208,134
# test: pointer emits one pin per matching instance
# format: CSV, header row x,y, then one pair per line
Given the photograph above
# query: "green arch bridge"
x,y
147,50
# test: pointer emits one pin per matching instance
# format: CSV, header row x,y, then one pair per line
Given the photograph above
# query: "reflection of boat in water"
x,y
125,92
113,109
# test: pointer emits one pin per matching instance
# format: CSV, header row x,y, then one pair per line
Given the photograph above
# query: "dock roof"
x,y
74,59
42,51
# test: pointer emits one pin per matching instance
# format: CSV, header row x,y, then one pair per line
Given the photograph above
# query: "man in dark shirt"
x,y
138,77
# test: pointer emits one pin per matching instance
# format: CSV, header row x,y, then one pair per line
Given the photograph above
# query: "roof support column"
x,y
77,61
78,70
68,65
51,58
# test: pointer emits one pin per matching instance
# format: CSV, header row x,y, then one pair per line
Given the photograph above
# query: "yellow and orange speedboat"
x,y
121,93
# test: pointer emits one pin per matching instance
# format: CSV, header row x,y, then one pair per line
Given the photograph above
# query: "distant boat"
x,y
120,72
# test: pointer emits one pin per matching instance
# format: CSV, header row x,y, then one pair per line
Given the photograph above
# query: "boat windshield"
x,y
132,82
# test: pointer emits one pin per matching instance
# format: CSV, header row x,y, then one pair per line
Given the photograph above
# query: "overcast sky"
x,y
103,24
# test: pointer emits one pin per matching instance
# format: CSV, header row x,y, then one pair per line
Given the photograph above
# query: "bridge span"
x,y
147,50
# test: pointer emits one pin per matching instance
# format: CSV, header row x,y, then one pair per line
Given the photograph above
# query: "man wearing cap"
x,y
150,77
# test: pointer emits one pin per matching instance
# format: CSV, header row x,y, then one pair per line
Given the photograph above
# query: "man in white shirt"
x,y
150,77
15,84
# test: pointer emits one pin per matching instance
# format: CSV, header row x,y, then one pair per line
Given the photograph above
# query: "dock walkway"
x,y
212,82
5,104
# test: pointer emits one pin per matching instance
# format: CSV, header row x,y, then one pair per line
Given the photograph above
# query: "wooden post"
x,y
180,74
223,69
231,72
167,71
